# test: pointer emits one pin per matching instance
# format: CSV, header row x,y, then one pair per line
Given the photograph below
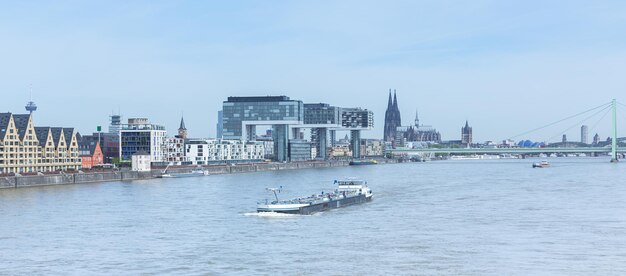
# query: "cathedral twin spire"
x,y
392,117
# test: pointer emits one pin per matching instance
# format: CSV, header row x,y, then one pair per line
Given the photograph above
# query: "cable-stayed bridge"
x,y
612,148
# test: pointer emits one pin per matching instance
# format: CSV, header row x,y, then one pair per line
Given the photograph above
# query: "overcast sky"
x,y
506,66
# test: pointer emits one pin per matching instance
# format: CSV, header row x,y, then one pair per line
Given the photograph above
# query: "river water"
x,y
494,217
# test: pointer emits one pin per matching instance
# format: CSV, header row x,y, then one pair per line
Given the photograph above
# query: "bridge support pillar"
x,y
614,142
355,143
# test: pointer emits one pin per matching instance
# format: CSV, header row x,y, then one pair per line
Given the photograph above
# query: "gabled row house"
x,y
25,148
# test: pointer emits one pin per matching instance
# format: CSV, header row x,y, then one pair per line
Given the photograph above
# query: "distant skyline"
x,y
506,67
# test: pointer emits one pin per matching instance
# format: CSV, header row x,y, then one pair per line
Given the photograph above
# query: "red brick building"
x,y
91,156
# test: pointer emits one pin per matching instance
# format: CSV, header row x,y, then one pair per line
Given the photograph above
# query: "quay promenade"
x,y
127,175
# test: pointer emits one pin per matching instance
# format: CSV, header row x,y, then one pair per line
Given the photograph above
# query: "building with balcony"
x,y
174,151
140,135
209,151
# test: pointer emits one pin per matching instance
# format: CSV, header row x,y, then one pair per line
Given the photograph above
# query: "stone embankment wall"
x,y
60,179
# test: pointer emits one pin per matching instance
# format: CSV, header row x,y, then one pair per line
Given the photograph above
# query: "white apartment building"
x,y
174,151
205,151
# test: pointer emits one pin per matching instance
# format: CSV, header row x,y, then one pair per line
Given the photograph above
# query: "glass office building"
x,y
241,115
139,135
270,110
321,114
356,119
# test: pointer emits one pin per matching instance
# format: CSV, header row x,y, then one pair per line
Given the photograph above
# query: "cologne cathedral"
x,y
392,118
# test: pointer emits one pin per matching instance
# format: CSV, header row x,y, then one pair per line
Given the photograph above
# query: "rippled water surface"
x,y
496,217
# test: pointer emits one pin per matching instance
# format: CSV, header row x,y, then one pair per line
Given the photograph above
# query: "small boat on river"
x,y
363,162
542,164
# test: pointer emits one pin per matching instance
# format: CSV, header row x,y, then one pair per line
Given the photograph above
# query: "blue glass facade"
x,y
265,110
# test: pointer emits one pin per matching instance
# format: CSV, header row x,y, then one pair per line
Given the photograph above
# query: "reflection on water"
x,y
447,217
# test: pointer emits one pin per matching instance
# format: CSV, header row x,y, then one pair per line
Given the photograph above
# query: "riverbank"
x,y
108,176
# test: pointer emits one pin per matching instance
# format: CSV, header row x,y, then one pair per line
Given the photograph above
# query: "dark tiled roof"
x,y
87,143
68,131
42,135
56,135
21,123
4,123
92,148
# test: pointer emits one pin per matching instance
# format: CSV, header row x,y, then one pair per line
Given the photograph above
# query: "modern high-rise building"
x,y
116,124
241,115
392,118
355,120
466,134
140,135
220,125
584,134
321,118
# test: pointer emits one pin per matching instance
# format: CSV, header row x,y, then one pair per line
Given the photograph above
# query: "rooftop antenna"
x,y
31,106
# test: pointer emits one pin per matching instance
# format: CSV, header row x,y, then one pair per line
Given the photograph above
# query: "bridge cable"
x,y
559,121
601,118
579,122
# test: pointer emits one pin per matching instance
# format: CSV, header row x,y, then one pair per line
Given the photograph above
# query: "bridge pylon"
x,y
614,134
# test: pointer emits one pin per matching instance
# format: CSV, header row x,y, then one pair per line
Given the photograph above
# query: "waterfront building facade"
x,y
174,151
141,161
340,151
466,134
109,144
372,147
299,150
90,153
25,148
392,119
241,115
139,135
207,151
268,145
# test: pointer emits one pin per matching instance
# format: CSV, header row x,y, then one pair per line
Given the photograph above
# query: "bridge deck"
x,y
507,150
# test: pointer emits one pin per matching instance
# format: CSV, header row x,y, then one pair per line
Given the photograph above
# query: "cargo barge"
x,y
348,192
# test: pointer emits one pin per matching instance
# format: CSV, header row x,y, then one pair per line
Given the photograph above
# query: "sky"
x,y
505,66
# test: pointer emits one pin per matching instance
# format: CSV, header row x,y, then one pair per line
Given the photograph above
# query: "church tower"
x,y
182,130
466,134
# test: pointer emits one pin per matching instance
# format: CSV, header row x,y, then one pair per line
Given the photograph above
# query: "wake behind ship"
x,y
348,192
